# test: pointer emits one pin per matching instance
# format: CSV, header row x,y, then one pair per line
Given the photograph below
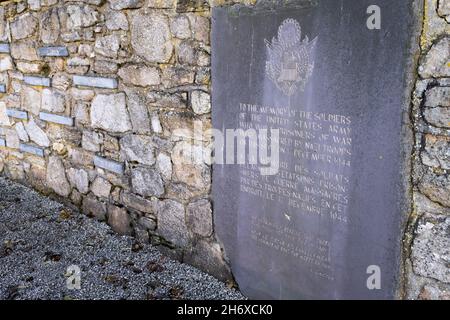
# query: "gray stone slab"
x,y
2,142
336,91
2,88
13,113
31,150
97,82
108,164
53,52
37,81
4,48
49,117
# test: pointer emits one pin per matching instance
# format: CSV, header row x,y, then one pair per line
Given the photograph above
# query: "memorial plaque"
x,y
328,223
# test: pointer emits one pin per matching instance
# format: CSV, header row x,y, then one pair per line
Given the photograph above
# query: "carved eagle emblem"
x,y
290,60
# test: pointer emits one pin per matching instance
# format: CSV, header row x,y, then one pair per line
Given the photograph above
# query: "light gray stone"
x,y
147,223
12,139
150,37
101,188
24,50
430,254
21,132
138,113
53,52
2,143
137,203
140,75
17,114
109,165
199,217
79,179
97,82
81,16
200,102
4,48
31,100
147,182
109,112
436,152
36,134
2,88
172,222
50,26
116,20
119,220
438,117
125,4
6,63
56,177
435,63
37,81
107,46
23,26
164,165
29,67
438,97
436,187
94,208
138,149
31,150
91,140
53,101
54,118
180,27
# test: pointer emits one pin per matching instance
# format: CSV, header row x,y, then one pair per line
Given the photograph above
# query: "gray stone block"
x,y
2,142
17,114
2,88
97,82
49,117
110,165
4,48
53,52
37,81
31,150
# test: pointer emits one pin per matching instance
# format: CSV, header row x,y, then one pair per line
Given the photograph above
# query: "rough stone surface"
x,y
172,223
101,187
79,179
140,75
199,217
36,134
109,112
200,102
435,63
119,220
56,177
147,182
24,26
138,149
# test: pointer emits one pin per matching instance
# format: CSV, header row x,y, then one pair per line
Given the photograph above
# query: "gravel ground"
x,y
40,239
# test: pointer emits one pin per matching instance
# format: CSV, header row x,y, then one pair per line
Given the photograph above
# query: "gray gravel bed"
x,y
40,238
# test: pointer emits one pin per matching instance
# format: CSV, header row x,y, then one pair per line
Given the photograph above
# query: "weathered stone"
x,y
91,140
161,4
208,256
138,112
438,97
109,165
61,81
80,157
67,121
192,5
36,134
199,217
101,187
125,4
150,37
180,27
98,82
94,208
50,26
177,76
436,188
430,250
116,20
200,27
2,144
188,166
200,102
64,134
34,4
140,75
107,46
172,223
53,101
109,112
23,26
2,88
82,94
21,132
138,149
56,177
438,116
37,81
119,220
156,124
164,165
24,50
78,65
81,16
4,119
79,179
4,48
436,152
103,66
137,203
147,223
187,52
17,114
31,150
444,9
53,52
31,100
435,63
147,182
12,139
6,63
29,67
4,28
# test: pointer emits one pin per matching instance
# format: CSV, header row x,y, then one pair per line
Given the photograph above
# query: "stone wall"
x,y
92,95
97,105
427,241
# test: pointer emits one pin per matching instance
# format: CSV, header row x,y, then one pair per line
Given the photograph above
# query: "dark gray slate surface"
x,y
338,204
